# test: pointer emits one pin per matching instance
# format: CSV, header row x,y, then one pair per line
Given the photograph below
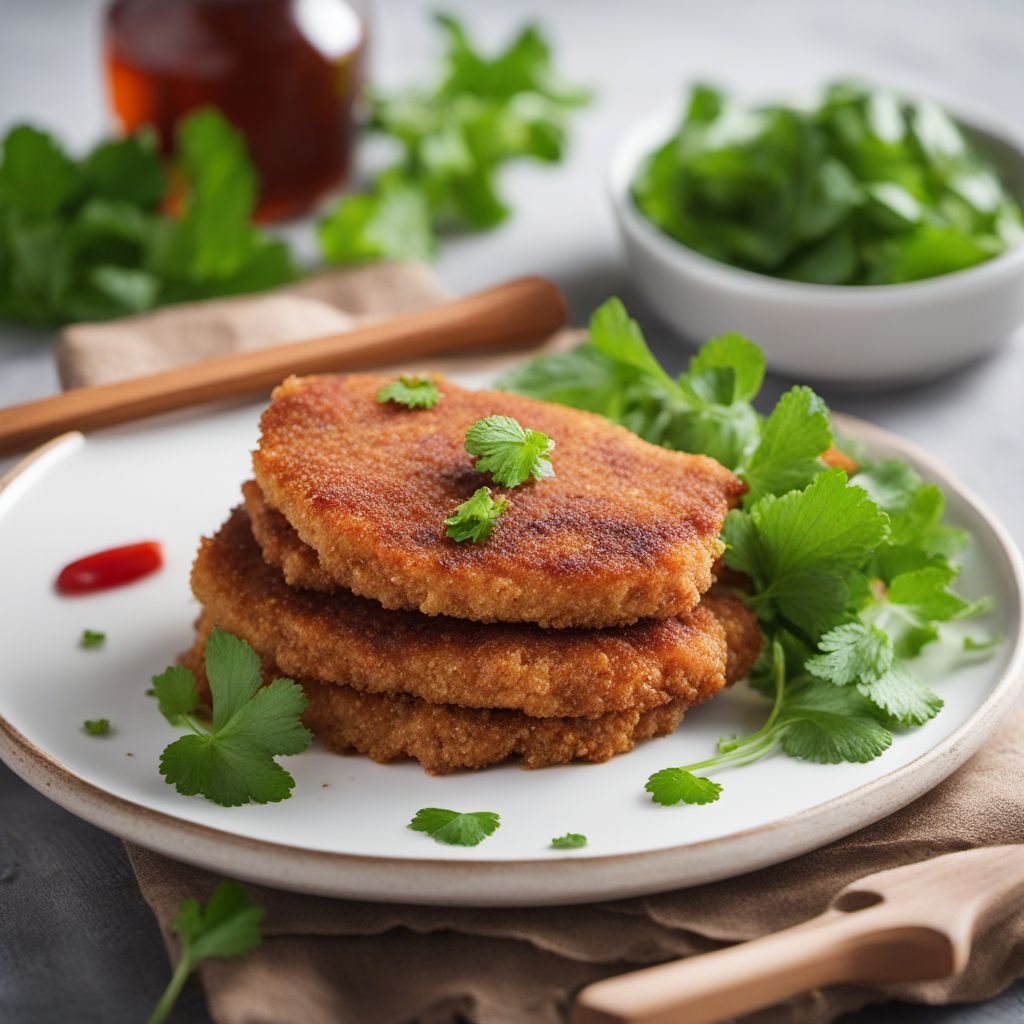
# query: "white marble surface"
x,y
968,52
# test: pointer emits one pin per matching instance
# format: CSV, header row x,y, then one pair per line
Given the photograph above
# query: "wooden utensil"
x,y
907,924
512,315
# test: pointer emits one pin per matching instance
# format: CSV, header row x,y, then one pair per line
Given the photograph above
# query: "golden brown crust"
x,y
338,637
624,530
444,738
743,638
281,545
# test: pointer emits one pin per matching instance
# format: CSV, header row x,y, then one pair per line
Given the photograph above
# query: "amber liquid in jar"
x,y
285,72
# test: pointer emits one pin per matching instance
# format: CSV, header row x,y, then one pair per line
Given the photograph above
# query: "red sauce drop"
x,y
111,568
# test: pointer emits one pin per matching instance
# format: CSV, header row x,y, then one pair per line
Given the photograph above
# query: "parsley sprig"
x,y
227,926
230,761
850,577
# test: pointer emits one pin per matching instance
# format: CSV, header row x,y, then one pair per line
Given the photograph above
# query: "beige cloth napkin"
x,y
341,962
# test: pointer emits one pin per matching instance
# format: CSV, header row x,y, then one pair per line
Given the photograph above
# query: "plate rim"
x,y
472,882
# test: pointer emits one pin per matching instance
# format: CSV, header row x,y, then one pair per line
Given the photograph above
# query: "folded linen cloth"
x,y
327,961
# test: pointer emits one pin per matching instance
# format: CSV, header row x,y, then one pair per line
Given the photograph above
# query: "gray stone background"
x,y
76,941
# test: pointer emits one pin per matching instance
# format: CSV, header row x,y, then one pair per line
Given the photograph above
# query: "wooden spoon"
x,y
907,924
512,315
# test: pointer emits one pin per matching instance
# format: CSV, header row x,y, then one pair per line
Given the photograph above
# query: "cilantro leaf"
x,y
509,452
229,771
923,593
677,785
474,519
391,222
410,391
176,693
852,652
231,762
37,178
792,439
570,841
453,827
728,369
616,335
799,549
91,639
899,693
96,726
829,724
227,926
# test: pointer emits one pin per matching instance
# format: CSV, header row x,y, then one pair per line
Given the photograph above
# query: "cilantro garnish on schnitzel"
x,y
509,452
474,519
412,392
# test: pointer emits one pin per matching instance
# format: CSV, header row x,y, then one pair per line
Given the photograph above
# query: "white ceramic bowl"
x,y
856,336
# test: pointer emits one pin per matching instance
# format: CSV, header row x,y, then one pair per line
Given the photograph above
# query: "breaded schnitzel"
x,y
445,738
623,530
340,638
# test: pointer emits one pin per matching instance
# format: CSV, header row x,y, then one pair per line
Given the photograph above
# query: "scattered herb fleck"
x,y
96,726
91,639
570,841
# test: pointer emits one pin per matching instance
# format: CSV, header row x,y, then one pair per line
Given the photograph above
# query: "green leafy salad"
x,y
850,576
863,188
88,239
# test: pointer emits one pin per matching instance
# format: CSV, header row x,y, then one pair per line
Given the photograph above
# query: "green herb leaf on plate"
x,y
453,827
91,639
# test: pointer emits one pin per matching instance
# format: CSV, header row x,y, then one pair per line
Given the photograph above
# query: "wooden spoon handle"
x,y
728,982
511,315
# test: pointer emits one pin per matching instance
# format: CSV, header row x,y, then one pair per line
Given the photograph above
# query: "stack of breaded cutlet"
x,y
585,622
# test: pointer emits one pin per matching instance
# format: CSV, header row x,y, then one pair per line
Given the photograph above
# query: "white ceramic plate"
x,y
343,831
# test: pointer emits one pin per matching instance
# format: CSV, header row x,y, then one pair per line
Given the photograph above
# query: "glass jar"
x,y
287,73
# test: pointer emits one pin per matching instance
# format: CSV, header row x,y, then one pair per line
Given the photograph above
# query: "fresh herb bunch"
x,y
88,240
454,138
850,578
864,188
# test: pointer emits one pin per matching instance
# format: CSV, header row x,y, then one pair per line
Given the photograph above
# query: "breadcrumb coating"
x,y
445,738
340,638
624,530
